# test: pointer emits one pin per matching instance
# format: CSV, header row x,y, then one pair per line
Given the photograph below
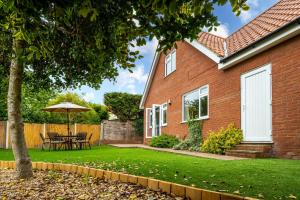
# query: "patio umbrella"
x,y
66,107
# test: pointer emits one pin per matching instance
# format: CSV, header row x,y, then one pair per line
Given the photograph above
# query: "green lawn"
x,y
272,178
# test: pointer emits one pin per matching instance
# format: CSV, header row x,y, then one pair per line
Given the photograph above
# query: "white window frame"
x,y
173,68
162,114
148,121
150,118
200,95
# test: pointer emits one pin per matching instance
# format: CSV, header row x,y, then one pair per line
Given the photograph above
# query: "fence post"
x,y
75,128
44,130
101,135
7,135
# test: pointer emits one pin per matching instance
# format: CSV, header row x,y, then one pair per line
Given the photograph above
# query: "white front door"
x,y
256,105
156,128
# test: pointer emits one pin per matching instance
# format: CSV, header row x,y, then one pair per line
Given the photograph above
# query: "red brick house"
x,y
251,78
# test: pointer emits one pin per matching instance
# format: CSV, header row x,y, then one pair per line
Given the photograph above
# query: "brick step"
x,y
247,153
254,147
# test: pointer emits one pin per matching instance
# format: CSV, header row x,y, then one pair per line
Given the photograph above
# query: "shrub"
x,y
222,140
138,125
164,141
193,141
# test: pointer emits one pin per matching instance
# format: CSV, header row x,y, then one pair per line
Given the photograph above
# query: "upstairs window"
x,y
170,63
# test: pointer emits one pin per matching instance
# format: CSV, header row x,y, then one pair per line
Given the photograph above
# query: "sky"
x,y
135,82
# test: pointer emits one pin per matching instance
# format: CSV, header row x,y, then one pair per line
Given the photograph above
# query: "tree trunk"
x,y
16,127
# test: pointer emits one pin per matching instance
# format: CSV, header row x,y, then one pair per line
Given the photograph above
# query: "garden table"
x,y
69,139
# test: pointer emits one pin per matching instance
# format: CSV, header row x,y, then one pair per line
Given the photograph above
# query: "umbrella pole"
x,y
68,122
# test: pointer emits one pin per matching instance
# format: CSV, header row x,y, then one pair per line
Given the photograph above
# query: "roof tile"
x,y
282,13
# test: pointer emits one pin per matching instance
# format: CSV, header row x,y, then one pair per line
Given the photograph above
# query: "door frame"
x,y
268,68
147,122
154,106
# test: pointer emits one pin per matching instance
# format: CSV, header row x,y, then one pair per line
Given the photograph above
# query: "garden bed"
x,y
63,185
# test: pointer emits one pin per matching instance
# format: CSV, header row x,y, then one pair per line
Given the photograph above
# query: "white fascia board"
x,y
287,34
209,53
149,80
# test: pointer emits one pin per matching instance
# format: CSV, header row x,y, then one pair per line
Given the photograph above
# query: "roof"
x,y
277,24
212,42
279,15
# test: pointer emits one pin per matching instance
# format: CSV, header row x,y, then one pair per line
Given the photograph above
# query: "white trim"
x,y
182,103
7,135
225,48
154,106
199,119
161,113
295,30
209,53
146,124
268,68
149,80
170,54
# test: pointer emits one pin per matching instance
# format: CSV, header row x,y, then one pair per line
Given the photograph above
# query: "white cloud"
x,y
254,3
88,96
131,88
128,81
247,16
148,49
250,14
222,30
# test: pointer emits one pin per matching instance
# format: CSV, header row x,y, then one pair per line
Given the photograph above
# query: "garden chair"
x,y
88,141
80,140
55,140
45,141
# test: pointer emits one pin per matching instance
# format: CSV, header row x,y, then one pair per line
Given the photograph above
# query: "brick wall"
x,y
194,70
115,131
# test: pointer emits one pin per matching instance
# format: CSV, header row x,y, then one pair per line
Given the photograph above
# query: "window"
x,y
164,108
150,119
195,104
170,63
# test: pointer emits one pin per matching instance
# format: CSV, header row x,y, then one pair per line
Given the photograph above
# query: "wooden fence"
x,y
32,133
2,134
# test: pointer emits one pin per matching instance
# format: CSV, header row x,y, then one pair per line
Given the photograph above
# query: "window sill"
x,y
203,118
166,76
163,125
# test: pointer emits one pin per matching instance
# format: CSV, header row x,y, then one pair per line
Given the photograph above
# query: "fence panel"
x,y
32,134
59,128
2,134
90,129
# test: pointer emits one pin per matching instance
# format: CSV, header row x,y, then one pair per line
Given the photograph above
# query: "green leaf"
x,y
84,12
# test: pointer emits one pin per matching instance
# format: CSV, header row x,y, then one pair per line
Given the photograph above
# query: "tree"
x,y
101,110
125,106
67,43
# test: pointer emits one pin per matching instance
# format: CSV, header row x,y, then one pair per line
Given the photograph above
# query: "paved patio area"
x,y
190,153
